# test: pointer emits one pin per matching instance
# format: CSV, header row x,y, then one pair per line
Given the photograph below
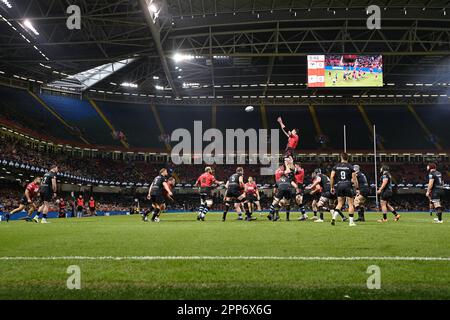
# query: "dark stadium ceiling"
x,y
246,49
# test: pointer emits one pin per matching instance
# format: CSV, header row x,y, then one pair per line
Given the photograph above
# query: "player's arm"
x,y
333,174
149,191
283,127
27,195
294,185
241,181
167,188
257,194
383,185
54,187
430,186
355,180
315,183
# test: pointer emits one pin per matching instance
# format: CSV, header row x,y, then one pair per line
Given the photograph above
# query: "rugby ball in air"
x,y
249,109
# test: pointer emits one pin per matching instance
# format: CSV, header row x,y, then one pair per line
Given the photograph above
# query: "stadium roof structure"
x,y
227,51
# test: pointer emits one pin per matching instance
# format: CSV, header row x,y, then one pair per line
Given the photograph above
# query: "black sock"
x,y
44,216
315,213
439,213
201,208
303,210
288,212
385,216
205,210
394,213
361,213
321,215
155,214
227,207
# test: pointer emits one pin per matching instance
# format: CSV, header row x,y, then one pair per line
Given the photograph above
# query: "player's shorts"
x,y
365,192
24,201
251,197
386,195
233,192
436,195
288,153
328,195
79,208
157,199
316,196
301,189
345,190
284,194
91,208
205,193
46,195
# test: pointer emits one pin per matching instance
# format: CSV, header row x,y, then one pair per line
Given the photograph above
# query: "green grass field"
x,y
368,81
179,235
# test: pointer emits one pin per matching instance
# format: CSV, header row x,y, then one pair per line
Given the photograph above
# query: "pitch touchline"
x,y
289,258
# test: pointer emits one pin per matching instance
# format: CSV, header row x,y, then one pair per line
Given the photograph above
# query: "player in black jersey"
x,y
47,192
435,190
156,192
284,185
345,177
325,199
234,194
361,193
385,193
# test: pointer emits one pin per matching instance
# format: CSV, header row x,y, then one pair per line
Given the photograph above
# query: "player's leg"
x,y
384,210
273,208
301,207
315,209
351,211
392,209
18,209
437,205
45,211
228,202
337,211
321,208
201,207
206,208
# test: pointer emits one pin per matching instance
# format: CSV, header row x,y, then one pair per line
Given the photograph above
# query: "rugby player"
x,y
385,193
284,184
299,180
293,140
361,193
92,206
31,191
206,182
345,181
156,195
234,194
435,190
47,193
251,197
322,195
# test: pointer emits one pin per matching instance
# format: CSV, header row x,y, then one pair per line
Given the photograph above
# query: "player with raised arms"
x,y
293,140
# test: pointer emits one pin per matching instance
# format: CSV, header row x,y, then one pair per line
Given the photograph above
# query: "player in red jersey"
x,y
62,208
206,182
293,140
251,196
299,176
31,191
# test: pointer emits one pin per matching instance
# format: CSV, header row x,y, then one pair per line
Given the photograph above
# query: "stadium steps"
x,y
106,120
369,124
423,126
69,127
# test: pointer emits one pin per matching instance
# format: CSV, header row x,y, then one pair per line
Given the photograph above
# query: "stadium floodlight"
x,y
129,85
27,23
153,8
178,57
7,3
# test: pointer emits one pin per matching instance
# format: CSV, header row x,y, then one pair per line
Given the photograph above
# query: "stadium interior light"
x,y
7,3
27,23
129,85
178,57
153,8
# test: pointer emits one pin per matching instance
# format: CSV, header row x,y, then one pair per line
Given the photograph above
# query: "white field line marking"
x,y
287,258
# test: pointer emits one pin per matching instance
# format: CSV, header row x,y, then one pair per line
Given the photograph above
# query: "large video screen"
x,y
347,70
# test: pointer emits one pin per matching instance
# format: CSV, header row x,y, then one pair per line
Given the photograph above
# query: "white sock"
x,y
350,219
334,214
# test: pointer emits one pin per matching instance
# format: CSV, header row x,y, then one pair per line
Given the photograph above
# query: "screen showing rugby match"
x,y
347,70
